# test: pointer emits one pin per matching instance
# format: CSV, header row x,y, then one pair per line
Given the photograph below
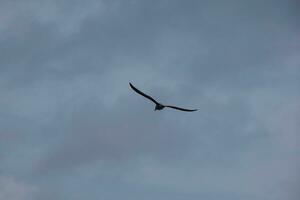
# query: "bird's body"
x,y
159,106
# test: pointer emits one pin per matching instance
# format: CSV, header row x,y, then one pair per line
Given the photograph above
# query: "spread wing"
x,y
143,94
182,109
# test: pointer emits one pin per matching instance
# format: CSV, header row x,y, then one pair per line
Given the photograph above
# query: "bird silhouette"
x,y
159,106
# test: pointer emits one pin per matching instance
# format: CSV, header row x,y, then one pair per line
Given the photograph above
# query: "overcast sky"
x,y
72,129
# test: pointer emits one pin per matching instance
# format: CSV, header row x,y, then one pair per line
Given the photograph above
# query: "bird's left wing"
x,y
143,94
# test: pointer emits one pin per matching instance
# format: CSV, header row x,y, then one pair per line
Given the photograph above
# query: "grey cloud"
x,y
15,190
94,132
67,110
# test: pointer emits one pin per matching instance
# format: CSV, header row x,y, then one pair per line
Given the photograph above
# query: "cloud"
x,y
94,133
69,121
11,189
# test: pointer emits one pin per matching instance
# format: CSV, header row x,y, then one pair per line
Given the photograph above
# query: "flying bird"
x,y
159,106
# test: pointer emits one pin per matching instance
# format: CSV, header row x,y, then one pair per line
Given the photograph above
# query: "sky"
x,y
71,128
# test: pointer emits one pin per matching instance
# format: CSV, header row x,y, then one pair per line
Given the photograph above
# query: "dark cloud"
x,y
118,134
69,121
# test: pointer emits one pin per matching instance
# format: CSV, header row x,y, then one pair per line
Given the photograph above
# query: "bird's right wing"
x,y
143,94
182,109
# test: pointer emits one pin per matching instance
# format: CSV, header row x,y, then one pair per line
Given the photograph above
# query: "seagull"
x,y
159,106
